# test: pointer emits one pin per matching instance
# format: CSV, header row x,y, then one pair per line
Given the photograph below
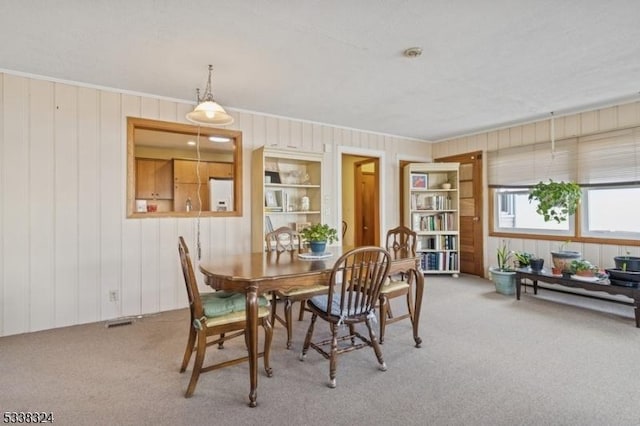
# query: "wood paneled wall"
x,y
65,241
585,123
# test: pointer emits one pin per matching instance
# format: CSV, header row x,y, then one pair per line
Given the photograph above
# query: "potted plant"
x,y
556,200
627,263
583,268
529,260
503,276
562,258
523,258
318,235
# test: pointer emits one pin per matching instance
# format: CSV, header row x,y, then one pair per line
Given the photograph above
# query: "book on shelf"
x,y
433,222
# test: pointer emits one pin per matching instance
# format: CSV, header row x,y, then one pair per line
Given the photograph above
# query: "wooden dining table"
x,y
260,272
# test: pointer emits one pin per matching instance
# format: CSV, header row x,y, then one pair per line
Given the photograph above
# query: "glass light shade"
x,y
209,114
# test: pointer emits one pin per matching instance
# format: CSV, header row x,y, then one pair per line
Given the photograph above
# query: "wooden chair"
x,y
216,314
400,240
354,286
286,240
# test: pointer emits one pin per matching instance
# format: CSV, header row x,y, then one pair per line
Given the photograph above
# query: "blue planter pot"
x,y
505,282
318,247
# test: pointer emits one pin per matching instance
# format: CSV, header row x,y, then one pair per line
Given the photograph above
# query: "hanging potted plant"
x,y
556,200
503,276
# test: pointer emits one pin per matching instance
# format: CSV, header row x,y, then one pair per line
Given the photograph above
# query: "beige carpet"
x,y
487,359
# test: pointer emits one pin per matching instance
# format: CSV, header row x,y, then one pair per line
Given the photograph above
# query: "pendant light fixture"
x,y
209,112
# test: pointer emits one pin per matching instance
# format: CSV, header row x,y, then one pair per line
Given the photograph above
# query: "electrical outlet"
x,y
113,296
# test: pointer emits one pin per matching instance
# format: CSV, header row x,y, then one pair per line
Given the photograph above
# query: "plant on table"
x,y
320,232
319,235
523,258
583,267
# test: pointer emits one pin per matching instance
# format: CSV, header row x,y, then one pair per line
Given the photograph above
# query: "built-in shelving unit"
x,y
431,205
286,188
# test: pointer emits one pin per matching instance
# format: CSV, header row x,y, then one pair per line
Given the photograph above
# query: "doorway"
x,y
361,200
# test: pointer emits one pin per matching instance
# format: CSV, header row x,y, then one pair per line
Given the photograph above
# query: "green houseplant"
x,y
556,200
503,276
318,235
523,258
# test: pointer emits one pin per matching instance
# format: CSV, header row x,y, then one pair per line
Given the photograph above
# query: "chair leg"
x,y
384,307
268,336
307,339
376,346
288,307
333,359
201,347
221,343
189,349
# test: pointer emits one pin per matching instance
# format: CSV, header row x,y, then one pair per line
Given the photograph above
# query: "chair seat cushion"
x,y
321,303
235,317
393,285
298,291
223,303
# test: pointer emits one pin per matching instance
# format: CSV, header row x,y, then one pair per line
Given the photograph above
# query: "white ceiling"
x,y
485,64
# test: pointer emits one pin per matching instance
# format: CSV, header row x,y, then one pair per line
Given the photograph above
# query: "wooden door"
x,y
367,215
471,224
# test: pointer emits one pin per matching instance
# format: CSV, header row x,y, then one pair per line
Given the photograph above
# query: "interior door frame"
x,y
382,180
358,195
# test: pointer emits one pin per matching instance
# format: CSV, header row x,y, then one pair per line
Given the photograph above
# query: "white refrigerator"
x,y
221,195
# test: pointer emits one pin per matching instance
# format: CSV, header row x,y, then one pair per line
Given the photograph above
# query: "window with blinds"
x,y
607,167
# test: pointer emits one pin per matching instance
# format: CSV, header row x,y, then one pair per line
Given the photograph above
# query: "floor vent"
x,y
119,323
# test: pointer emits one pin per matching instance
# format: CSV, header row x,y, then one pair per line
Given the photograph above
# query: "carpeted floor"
x,y
487,359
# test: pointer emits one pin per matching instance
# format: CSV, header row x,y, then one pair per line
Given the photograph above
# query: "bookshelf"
x,y
286,190
431,206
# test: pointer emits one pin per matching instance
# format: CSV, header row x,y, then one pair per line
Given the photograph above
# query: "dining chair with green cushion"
x,y
286,241
354,286
213,315
400,241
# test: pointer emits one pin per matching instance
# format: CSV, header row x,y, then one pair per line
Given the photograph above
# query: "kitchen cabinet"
x,y
154,179
220,170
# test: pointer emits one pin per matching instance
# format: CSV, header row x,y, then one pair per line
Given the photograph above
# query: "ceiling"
x,y
485,64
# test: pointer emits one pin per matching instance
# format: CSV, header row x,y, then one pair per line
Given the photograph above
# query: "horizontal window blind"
x,y
529,164
611,157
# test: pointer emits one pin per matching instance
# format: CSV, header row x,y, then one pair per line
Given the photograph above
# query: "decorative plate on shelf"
x,y
312,256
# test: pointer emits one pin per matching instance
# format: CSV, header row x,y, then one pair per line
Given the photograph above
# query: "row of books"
x,y
439,261
437,242
433,222
431,202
